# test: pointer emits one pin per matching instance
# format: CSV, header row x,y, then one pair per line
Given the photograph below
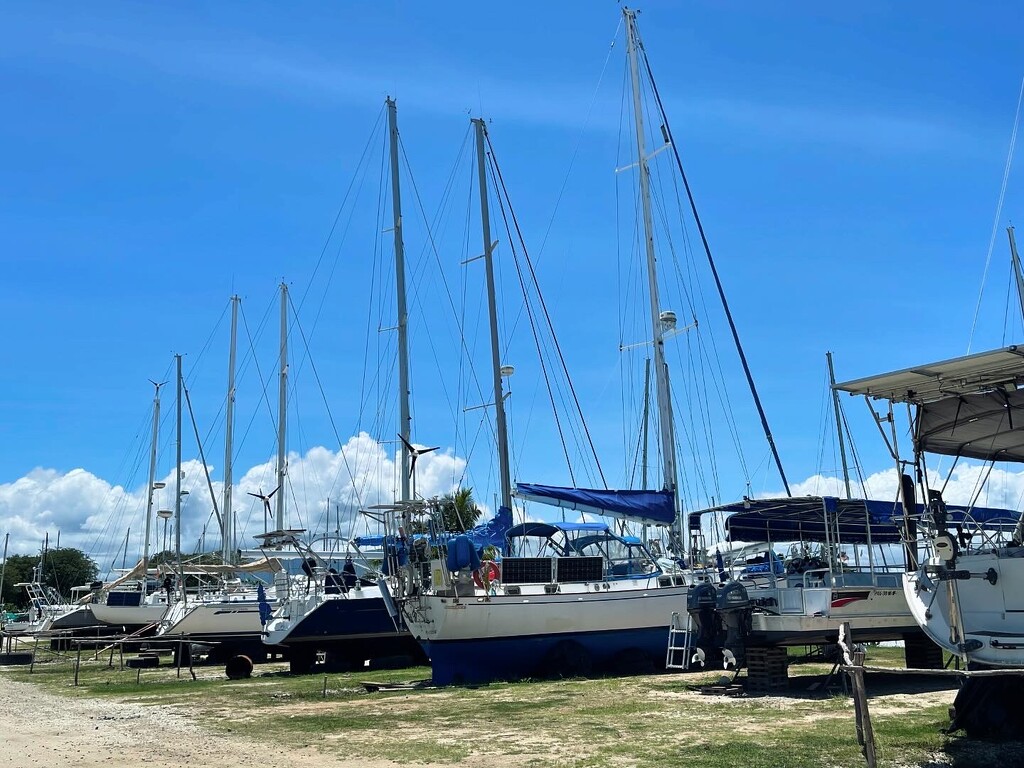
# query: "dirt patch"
x,y
44,730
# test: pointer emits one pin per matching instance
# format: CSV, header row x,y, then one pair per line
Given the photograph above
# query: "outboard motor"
x,y
735,608
701,601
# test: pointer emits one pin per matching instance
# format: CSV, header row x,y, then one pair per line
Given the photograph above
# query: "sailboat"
x,y
966,589
227,617
566,598
345,614
134,601
966,594
47,610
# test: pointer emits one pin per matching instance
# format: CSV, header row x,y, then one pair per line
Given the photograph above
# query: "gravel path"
x,y
51,731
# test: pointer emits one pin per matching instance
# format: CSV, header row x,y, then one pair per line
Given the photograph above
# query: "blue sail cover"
x,y
493,532
657,507
803,518
489,534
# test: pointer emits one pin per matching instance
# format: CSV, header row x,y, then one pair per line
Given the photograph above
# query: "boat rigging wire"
x,y
417,284
202,456
465,359
502,198
999,212
323,394
337,218
714,270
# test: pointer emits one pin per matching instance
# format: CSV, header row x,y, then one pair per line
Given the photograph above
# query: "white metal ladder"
x,y
679,642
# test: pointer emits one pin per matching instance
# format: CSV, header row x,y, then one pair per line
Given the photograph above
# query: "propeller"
x,y
416,453
266,499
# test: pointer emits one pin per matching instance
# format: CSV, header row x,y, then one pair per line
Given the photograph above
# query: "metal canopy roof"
x,y
803,518
985,371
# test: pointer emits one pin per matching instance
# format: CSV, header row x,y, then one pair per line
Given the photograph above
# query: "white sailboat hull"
x,y
214,619
990,616
480,638
129,615
231,624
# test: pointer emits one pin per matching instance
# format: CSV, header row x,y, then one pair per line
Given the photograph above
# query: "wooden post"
x,y
111,664
325,686
78,661
120,654
854,667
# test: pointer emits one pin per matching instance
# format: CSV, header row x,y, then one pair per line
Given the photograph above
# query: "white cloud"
x,y
999,488
93,515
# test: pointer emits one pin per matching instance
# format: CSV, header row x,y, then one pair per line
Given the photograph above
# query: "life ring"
x,y
487,572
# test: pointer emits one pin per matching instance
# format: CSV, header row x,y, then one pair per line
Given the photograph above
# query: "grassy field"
x,y
651,720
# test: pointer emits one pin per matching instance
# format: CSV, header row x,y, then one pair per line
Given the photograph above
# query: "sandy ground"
x,y
40,729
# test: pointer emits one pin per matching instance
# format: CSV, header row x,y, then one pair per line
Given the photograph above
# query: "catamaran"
x,y
803,599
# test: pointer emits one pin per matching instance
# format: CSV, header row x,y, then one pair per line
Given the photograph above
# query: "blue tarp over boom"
x,y
802,518
656,507
491,533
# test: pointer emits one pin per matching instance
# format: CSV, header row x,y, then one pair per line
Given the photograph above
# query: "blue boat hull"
x,y
484,660
353,631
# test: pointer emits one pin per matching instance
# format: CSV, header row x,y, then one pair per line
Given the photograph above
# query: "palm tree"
x,y
459,511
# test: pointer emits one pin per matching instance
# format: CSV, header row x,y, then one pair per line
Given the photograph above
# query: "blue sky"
x,y
846,163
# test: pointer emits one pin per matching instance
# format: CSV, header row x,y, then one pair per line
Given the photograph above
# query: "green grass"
x,y
652,720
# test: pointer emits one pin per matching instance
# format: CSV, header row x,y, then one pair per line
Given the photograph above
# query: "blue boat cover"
x,y
489,534
657,507
462,554
493,532
541,528
802,518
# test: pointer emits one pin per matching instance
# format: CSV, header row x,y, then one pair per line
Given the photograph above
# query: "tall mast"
x,y
282,402
667,130
177,481
152,477
404,420
228,520
839,423
492,307
663,393
1016,268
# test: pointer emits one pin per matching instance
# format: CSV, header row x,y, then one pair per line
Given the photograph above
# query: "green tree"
x,y
68,567
65,567
17,569
459,511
